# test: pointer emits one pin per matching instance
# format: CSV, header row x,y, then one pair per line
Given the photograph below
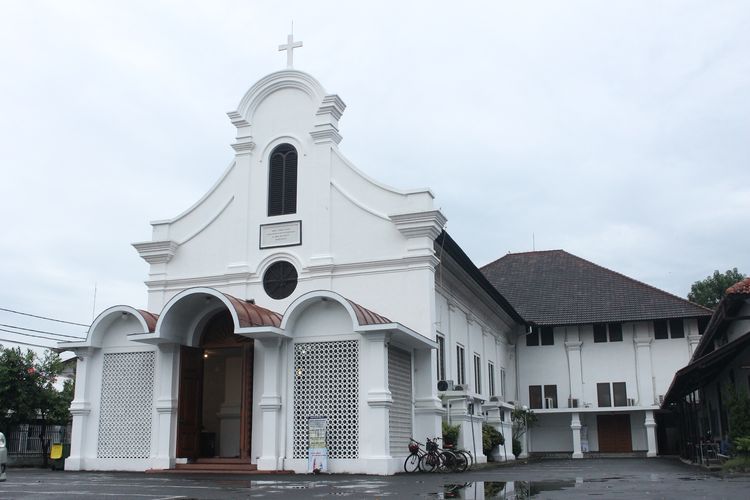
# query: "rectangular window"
x,y
491,378
460,368
660,329
676,329
602,392
535,396
702,324
502,383
440,357
548,337
620,394
600,332
532,339
477,374
550,396
615,332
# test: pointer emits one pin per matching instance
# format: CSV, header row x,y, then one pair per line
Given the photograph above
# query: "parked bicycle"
x,y
433,458
411,464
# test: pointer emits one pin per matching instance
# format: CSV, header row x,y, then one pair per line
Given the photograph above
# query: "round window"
x,y
280,280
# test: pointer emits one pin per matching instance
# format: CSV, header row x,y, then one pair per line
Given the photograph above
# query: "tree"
x,y
27,391
708,292
523,419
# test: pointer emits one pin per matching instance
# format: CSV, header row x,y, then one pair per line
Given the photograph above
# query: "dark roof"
x,y
554,287
444,243
722,318
251,315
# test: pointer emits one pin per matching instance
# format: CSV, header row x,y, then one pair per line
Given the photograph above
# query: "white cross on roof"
x,y
289,47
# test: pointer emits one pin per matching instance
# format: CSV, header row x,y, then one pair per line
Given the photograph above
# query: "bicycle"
x,y
438,459
411,464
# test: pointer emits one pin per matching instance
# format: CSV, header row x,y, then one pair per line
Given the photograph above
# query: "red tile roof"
x,y
366,317
741,288
150,319
250,315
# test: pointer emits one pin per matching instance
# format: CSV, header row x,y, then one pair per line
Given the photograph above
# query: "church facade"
x,y
300,296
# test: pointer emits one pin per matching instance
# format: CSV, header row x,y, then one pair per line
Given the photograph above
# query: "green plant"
x,y
450,433
738,404
491,437
742,446
517,447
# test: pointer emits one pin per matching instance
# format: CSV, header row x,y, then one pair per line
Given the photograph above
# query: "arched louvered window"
x,y
282,180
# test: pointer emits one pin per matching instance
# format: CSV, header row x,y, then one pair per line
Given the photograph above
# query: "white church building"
x,y
299,292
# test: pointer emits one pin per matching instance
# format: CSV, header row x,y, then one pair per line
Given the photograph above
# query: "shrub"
x,y
517,447
450,433
491,437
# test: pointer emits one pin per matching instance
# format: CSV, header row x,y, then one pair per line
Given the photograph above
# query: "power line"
x,y
30,335
26,343
42,331
42,317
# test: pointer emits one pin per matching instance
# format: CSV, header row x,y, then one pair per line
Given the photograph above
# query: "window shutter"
x,y
602,391
282,180
548,335
615,332
550,391
676,329
620,393
532,338
600,332
660,329
535,396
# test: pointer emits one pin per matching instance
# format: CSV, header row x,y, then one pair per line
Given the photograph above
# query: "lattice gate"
x,y
326,383
126,405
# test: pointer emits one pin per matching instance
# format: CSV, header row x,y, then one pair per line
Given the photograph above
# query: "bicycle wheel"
x,y
468,457
462,462
448,461
411,464
429,462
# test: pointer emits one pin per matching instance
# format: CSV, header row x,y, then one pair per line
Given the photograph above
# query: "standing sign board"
x,y
317,453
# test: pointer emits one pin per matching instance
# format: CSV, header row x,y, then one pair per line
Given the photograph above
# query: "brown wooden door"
x,y
190,402
614,433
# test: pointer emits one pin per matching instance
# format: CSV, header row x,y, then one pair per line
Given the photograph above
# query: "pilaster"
x,y
650,425
270,404
575,427
374,442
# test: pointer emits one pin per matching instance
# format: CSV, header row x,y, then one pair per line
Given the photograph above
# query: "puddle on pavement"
x,y
515,490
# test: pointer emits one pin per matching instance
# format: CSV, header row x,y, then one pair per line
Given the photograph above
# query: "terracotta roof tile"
x,y
741,288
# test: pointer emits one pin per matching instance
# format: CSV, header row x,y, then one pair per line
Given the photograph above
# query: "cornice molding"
x,y
156,252
420,224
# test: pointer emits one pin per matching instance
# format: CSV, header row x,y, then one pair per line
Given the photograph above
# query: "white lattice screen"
x,y
326,384
126,405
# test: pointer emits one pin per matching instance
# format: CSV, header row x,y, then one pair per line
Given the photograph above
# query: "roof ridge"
x,y
523,253
639,282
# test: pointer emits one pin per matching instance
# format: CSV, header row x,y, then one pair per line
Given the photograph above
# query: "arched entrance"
x,y
215,394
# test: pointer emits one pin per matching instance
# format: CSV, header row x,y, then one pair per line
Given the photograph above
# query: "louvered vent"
x,y
282,180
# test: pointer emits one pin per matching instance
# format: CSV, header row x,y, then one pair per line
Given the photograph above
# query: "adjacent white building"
x,y
299,287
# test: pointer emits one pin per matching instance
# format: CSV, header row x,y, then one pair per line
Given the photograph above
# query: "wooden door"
x,y
614,433
190,402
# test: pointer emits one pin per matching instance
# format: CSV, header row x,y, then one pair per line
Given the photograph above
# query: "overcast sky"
x,y
616,131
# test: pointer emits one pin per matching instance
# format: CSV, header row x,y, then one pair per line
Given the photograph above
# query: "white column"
x,y
80,408
650,424
573,346
575,427
166,405
428,409
642,341
270,403
375,436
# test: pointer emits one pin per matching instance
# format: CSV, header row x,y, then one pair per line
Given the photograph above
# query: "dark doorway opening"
x,y
215,394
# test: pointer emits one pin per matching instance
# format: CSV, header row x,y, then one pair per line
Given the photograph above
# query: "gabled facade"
x,y
297,287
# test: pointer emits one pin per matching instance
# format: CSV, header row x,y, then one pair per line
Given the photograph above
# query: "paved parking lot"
x,y
608,478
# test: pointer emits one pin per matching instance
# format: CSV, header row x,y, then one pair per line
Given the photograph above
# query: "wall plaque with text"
x,y
282,234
